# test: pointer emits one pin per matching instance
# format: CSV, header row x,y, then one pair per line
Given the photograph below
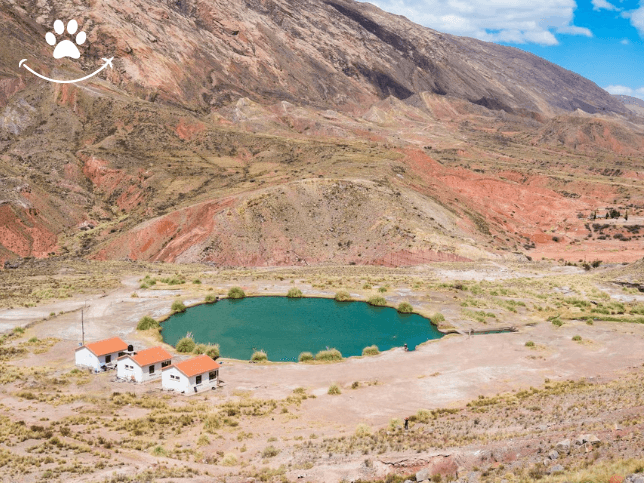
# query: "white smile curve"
x,y
108,62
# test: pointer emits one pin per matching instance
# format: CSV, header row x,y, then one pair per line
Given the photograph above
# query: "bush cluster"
x,y
329,355
147,323
305,357
178,306
259,356
342,296
236,293
371,351
294,293
405,308
377,301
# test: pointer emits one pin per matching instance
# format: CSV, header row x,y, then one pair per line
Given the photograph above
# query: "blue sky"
x,y
599,39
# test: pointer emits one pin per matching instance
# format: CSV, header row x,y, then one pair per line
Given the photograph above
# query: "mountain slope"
x,y
452,148
328,53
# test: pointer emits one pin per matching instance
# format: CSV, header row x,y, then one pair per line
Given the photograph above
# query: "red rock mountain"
x,y
272,132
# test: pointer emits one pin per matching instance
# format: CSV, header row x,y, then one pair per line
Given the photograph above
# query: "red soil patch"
x,y
187,130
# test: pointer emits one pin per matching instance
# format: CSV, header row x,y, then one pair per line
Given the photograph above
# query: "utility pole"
x,y
83,326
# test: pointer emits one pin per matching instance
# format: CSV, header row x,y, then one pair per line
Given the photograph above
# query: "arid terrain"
x,y
330,147
487,407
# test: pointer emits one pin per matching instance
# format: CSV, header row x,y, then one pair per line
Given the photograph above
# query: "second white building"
x,y
194,375
144,365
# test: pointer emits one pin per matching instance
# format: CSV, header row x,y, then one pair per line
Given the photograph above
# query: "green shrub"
x,y
334,390
18,330
147,323
196,281
405,308
370,351
305,357
377,301
259,356
363,430
211,298
270,452
557,322
229,459
437,318
577,338
200,349
159,451
178,306
294,293
33,340
529,344
186,345
236,293
342,296
329,355
382,289
212,351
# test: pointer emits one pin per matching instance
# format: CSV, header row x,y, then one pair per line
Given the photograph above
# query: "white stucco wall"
x,y
183,384
85,357
123,372
141,374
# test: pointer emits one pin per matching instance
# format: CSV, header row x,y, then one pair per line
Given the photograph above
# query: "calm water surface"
x,y
286,327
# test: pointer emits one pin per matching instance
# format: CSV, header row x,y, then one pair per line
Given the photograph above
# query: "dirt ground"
x,y
445,373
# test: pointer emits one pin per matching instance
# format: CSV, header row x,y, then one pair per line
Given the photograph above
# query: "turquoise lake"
x,y
286,327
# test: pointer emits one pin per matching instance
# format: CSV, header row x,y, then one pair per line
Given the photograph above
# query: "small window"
x,y
152,369
198,380
166,363
212,375
108,358
121,354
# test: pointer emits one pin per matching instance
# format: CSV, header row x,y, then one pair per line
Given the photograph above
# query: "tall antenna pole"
x,y
83,326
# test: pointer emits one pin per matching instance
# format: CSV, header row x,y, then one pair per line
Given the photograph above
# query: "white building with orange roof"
x,y
144,365
193,375
98,354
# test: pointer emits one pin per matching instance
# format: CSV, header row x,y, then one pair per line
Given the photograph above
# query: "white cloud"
x,y
512,21
625,42
637,19
618,90
603,5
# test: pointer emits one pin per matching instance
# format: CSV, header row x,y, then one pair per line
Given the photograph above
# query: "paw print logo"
x,y
66,48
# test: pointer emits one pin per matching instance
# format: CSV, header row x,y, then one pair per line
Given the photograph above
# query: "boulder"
x,y
555,469
563,446
635,478
587,438
423,474
553,455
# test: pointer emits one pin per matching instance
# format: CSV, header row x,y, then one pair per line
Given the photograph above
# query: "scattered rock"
x,y
563,446
423,474
553,455
587,438
635,478
556,469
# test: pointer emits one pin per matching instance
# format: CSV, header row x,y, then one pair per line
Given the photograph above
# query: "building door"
x,y
152,369
108,358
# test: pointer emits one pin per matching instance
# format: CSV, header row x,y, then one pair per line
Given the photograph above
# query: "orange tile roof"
x,y
104,347
196,365
150,356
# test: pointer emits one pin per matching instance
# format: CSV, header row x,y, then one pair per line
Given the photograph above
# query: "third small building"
x,y
144,365
194,375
